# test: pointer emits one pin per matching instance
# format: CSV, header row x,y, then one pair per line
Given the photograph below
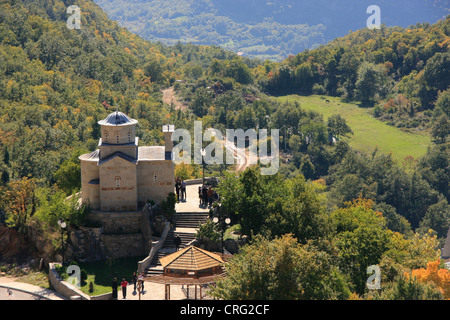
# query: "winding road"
x,y
240,154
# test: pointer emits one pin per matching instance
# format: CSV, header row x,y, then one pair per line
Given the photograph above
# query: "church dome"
x,y
117,119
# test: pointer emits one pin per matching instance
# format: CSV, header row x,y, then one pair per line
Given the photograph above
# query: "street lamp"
x,y
62,225
222,222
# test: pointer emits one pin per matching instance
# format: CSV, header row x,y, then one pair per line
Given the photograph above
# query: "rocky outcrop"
x,y
12,243
86,244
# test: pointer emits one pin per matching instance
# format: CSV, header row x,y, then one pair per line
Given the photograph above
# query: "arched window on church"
x,y
155,177
117,181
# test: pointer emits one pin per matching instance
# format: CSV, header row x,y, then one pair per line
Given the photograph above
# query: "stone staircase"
x,y
189,219
185,226
186,238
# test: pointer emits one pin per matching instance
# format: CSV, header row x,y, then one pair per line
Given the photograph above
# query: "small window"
x,y
106,136
129,135
117,181
155,177
117,137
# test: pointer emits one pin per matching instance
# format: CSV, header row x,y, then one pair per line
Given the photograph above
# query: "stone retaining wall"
x,y
63,287
198,181
117,222
124,245
156,245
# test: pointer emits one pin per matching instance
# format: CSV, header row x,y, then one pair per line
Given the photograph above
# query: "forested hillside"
x,y
263,29
56,83
404,70
344,208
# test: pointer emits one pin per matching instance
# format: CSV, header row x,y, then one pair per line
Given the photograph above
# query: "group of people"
x,y
180,187
207,195
135,278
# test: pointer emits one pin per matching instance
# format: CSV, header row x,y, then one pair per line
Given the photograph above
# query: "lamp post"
x,y
222,222
62,225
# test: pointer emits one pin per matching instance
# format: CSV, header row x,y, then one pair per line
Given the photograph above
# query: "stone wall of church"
x,y
118,134
90,192
118,185
154,180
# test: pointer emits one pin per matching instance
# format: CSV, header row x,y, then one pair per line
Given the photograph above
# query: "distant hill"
x,y
265,29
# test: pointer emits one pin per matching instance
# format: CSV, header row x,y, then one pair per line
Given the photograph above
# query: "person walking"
x,y
205,195
177,188
114,289
177,242
134,280
183,190
124,284
141,280
210,194
200,195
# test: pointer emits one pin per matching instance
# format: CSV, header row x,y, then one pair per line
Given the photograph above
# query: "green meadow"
x,y
368,131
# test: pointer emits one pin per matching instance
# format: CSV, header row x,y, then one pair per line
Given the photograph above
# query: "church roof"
x,y
191,259
151,153
148,153
120,155
117,118
93,156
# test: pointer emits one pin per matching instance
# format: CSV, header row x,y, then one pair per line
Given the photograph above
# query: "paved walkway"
x,y
14,290
192,202
155,291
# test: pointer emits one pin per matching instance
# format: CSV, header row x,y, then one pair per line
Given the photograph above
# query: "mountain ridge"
x,y
263,29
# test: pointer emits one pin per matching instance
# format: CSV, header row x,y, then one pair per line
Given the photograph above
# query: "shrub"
x,y
84,275
318,89
168,206
208,230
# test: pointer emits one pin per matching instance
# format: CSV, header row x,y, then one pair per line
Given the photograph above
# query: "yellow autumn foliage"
x,y
440,277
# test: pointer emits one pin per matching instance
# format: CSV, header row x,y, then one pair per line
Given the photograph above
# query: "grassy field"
x,y
368,131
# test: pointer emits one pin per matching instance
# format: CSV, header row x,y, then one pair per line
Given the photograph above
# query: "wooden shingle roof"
x,y
192,259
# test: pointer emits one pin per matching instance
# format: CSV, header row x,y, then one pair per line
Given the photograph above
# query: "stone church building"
x,y
120,176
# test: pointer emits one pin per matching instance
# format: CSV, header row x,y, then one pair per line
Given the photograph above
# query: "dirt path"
x,y
170,98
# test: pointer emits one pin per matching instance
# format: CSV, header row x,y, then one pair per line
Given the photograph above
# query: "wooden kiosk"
x,y
190,266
